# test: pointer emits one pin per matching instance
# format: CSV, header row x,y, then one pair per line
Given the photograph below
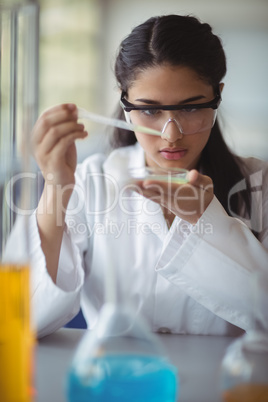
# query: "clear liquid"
x,y
128,378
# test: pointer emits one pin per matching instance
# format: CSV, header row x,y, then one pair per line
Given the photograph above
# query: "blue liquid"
x,y
127,378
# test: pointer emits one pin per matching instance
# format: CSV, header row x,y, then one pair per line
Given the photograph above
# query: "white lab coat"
x,y
189,279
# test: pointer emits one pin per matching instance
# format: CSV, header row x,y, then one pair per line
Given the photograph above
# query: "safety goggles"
x,y
189,118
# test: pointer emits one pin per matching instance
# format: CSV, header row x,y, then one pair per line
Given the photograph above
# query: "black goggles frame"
x,y
213,104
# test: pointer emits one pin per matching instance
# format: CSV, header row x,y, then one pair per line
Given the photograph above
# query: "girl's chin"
x,y
182,163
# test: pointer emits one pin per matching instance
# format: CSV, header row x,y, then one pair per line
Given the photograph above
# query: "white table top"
x,y
197,358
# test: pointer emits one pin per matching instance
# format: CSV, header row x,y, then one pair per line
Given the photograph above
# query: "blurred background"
x,y
79,40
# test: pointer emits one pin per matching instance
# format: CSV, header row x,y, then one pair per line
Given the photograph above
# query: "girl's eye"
x,y
188,110
150,113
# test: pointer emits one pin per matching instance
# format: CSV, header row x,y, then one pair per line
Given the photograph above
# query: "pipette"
x,y
84,114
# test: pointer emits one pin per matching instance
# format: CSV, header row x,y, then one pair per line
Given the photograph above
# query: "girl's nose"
x,y
172,131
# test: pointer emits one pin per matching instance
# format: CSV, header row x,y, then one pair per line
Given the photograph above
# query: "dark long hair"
x,y
183,41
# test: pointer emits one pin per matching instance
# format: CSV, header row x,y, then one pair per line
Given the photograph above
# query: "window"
x,y
70,53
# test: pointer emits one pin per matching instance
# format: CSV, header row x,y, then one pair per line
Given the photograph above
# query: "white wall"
x,y
243,28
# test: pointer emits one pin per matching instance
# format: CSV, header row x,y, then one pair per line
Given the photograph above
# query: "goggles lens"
x,y
188,121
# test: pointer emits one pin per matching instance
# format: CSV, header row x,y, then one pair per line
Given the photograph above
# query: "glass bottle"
x,y
18,98
245,364
16,334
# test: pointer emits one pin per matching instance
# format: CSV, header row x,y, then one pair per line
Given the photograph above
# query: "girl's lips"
x,y
173,153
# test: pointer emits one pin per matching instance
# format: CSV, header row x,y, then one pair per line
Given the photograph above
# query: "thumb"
x,y
193,176
199,180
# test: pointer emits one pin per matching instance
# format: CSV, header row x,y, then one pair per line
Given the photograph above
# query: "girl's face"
x,y
171,85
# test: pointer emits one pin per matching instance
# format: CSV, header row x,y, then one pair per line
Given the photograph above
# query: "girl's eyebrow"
x,y
188,100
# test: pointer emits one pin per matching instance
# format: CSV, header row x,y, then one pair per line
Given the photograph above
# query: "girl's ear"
x,y
221,86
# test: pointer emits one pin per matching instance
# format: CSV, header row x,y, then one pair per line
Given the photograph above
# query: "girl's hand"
x,y
187,201
53,143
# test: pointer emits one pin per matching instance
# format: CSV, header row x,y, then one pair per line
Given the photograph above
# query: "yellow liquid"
x,y
247,393
16,336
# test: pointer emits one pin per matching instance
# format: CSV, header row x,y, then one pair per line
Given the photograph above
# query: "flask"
x,y
244,374
121,360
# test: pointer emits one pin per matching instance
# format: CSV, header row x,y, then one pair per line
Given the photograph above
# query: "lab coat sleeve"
x,y
54,305
215,264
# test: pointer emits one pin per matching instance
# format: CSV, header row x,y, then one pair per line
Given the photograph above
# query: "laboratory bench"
x,y
197,358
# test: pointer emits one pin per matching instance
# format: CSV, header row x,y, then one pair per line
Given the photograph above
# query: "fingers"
x,y
59,150
187,200
55,124
53,117
58,132
149,189
53,142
